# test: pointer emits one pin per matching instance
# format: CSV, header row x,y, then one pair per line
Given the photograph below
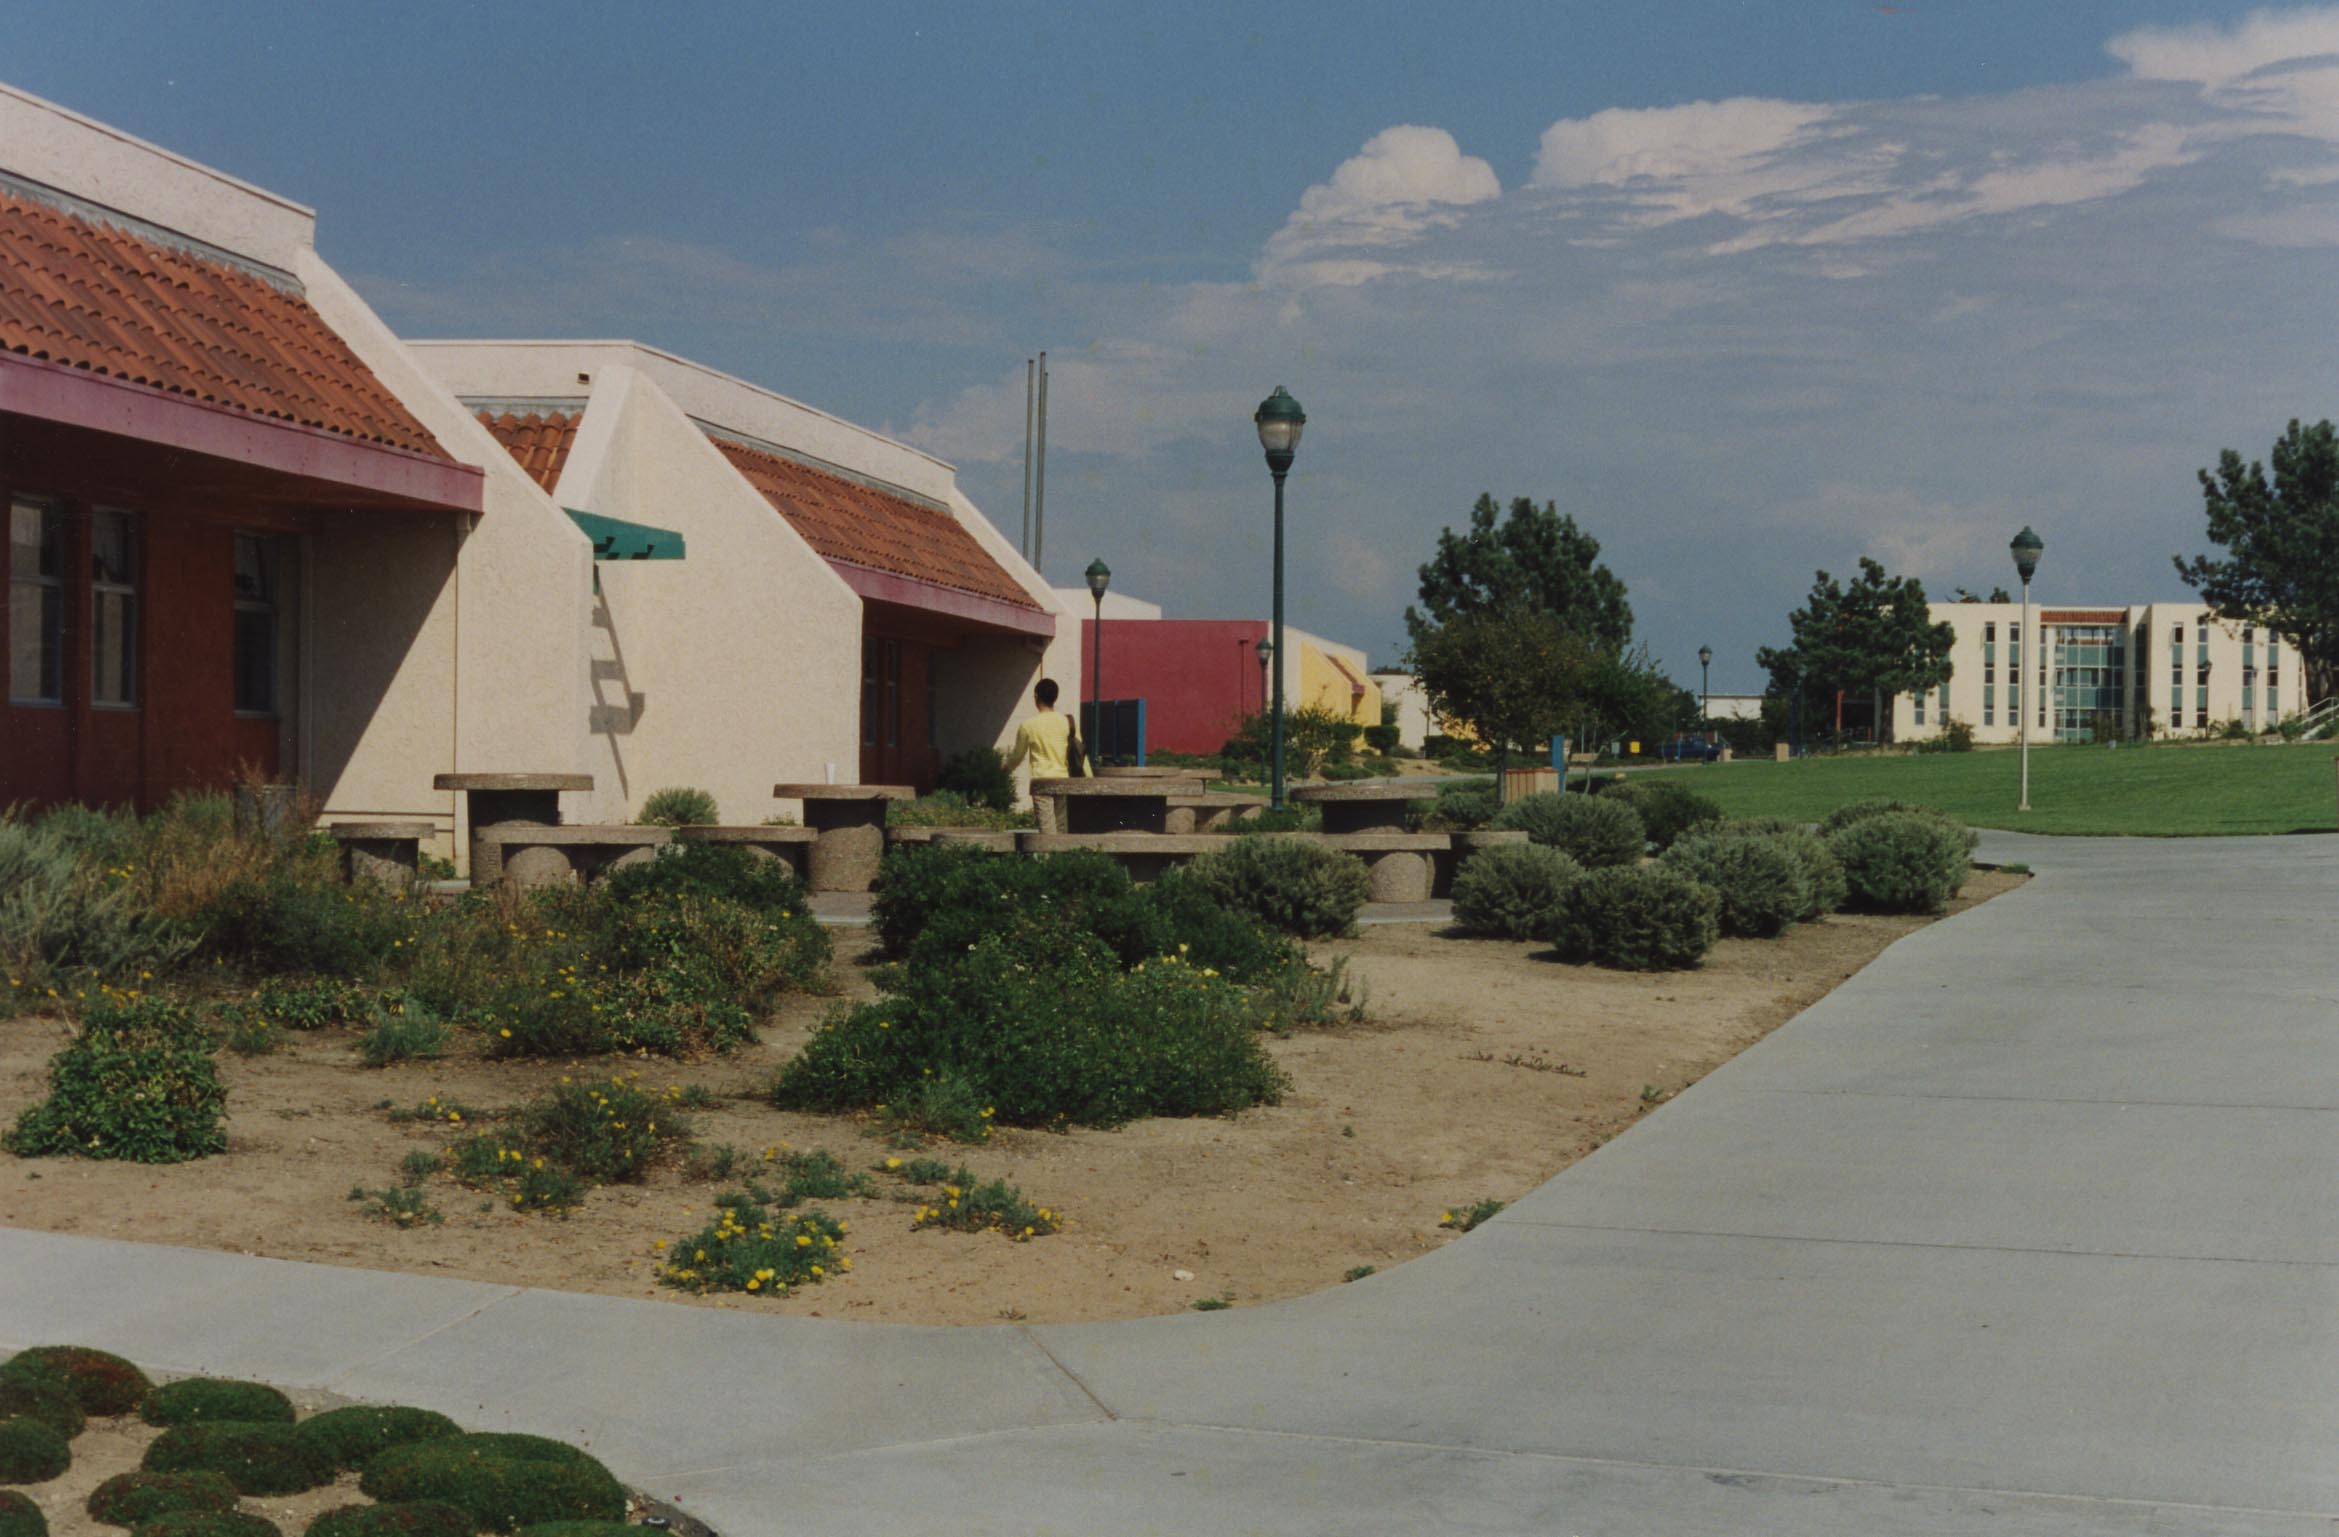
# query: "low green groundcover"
x,y
129,1498
42,1398
196,1400
31,1452
353,1436
504,1482
405,1518
20,1517
207,1523
99,1381
578,1529
257,1459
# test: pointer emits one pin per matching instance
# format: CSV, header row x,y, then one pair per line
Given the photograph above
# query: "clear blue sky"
x,y
1748,288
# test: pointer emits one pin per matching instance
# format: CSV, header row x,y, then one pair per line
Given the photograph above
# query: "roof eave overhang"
x,y
974,608
75,397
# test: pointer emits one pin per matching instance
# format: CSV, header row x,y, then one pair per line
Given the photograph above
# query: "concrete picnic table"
x,y
494,801
1365,807
848,824
1118,804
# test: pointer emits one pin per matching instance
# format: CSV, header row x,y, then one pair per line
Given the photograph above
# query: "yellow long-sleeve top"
x,y
1044,738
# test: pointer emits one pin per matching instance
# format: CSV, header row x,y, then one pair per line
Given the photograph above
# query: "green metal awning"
x,y
616,539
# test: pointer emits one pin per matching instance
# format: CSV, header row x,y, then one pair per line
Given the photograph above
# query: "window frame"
x,y
57,638
272,605
128,590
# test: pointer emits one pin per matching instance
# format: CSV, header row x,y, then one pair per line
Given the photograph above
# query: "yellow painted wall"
x,y
1323,685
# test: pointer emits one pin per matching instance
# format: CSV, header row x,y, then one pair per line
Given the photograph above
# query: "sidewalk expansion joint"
x,y
1070,1375
1507,1221
428,1334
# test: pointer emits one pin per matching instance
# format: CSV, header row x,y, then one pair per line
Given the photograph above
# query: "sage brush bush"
x,y
1637,918
1513,891
1302,889
1596,831
1859,811
680,806
1668,808
1823,873
138,1083
1456,808
1763,889
64,913
1903,861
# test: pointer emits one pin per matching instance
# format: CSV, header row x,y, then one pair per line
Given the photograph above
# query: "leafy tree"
x,y
2283,569
1875,636
1535,558
1515,677
1968,595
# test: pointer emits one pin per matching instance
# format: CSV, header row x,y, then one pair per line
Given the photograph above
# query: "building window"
x,y
869,693
1920,699
113,606
36,603
259,624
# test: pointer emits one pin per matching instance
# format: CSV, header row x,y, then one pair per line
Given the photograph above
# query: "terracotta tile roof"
x,y
91,296
860,525
540,442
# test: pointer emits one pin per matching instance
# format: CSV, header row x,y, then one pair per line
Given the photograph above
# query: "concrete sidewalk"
x,y
2026,1229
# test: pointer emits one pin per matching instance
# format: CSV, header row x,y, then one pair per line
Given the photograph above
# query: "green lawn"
x,y
2164,791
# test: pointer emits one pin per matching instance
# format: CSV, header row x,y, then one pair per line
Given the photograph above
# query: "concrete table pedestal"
x,y
1363,807
389,853
848,827
507,800
1400,867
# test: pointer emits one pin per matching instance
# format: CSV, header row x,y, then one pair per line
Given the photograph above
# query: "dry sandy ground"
x,y
1481,1070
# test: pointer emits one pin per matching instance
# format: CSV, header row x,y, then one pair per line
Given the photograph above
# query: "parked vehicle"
x,y
1689,747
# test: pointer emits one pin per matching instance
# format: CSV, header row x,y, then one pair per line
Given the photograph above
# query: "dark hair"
x,y
1045,692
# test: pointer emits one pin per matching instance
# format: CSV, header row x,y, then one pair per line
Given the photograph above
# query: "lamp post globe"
x,y
2026,548
1705,685
1100,576
1279,420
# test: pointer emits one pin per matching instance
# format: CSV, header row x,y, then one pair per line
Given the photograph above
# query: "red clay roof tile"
x,y
860,525
91,296
540,441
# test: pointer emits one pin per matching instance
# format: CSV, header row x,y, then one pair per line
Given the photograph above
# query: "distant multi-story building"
x,y
2098,674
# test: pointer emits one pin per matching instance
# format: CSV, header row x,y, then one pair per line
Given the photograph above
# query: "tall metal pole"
x,y
1275,790
1096,674
1039,505
2022,693
1030,411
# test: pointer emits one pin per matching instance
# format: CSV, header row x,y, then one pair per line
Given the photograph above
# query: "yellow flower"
x,y
505,1032
454,1115
816,1270
753,1283
803,1242
893,1163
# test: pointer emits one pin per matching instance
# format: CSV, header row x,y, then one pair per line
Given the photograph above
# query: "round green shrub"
x,y
352,1436
404,1518
1596,831
31,1452
1668,808
1637,918
1513,890
1823,873
1763,888
207,1523
1859,811
981,775
257,1459
100,1382
20,1517
129,1498
680,806
579,1529
503,1482
195,1399
1903,861
1302,889
42,1398
137,1083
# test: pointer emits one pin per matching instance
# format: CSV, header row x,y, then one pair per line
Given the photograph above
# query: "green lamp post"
x,y
1100,576
2026,547
1279,420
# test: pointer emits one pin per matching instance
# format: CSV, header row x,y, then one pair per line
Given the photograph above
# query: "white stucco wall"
x,y
1414,724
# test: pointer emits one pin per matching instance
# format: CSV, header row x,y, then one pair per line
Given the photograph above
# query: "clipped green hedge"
x,y
44,1399
137,1083
207,1523
403,1518
1637,918
1302,889
1903,861
1763,888
129,1498
503,1482
31,1452
353,1436
192,1400
99,1381
257,1459
20,1517
1596,831
1513,890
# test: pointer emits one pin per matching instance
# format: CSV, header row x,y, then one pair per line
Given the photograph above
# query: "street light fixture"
x,y
1100,576
1279,420
2026,548
1705,686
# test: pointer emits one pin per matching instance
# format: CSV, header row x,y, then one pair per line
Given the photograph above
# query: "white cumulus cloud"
x,y
1406,181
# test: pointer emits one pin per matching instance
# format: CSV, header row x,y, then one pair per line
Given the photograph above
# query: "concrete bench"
x,y
388,852
791,846
1210,813
568,855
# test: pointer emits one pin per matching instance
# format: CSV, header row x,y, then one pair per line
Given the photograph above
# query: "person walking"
x,y
1048,742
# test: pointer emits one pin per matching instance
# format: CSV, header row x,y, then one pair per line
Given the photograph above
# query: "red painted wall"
x,y
1198,677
